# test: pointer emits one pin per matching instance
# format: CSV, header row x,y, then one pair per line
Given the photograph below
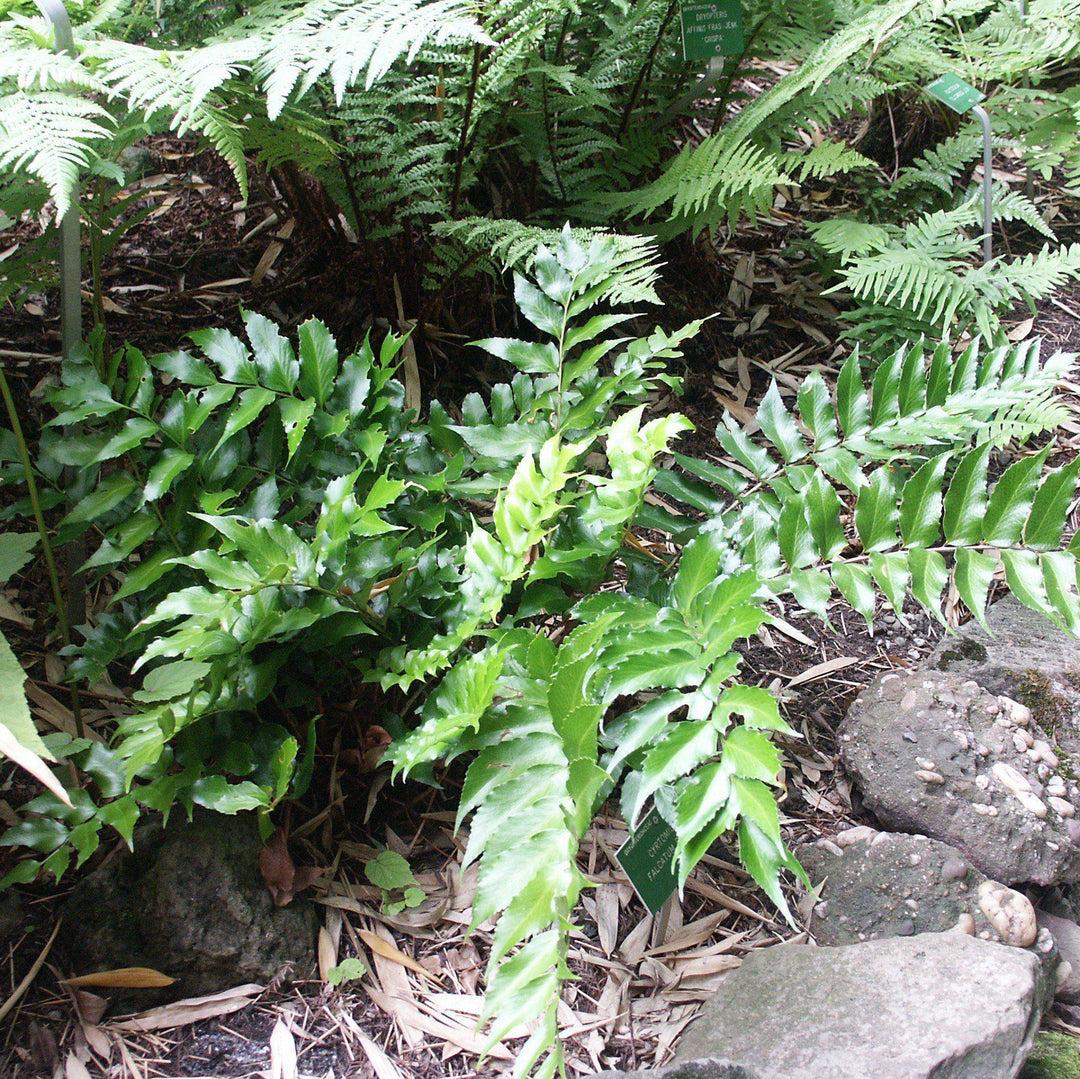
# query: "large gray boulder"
x,y
940,1005
1027,658
691,1069
890,884
189,902
934,754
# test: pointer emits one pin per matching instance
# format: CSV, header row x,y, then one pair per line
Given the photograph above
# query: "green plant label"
x,y
953,91
711,28
646,858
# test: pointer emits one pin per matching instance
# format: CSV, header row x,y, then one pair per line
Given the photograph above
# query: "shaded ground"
x,y
192,263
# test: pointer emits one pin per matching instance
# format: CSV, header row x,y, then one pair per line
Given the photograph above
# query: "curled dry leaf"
x,y
327,954
90,1006
282,877
122,978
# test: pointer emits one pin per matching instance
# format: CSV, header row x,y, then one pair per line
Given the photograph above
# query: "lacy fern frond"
x,y
925,274
280,48
510,245
51,135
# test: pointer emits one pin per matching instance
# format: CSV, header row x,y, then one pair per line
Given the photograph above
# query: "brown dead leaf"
x,y
90,1006
282,877
282,1053
395,955
121,978
191,1010
327,953
74,1068
820,670
383,1067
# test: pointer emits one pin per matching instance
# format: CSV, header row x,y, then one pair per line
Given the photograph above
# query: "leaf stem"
x,y
43,532
459,164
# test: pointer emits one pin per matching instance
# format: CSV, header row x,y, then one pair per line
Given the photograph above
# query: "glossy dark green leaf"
x,y
532,357
279,369
164,472
318,361
823,514
857,587
816,411
779,427
928,579
877,514
1050,506
852,402
973,574
965,501
1011,500
920,506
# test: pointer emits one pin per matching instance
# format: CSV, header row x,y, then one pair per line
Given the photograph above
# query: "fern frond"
x,y
513,245
51,134
828,158
807,533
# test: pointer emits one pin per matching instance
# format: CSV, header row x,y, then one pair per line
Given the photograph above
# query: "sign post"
x,y
646,859
711,28
962,97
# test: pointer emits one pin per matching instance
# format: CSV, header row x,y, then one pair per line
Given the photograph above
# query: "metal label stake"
x,y
988,181
962,97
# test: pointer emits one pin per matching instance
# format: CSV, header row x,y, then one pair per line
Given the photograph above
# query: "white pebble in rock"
x,y
927,763
931,778
954,869
1010,778
1041,751
1019,713
1009,912
1061,807
907,702
964,924
1032,803
850,836
982,782
1055,786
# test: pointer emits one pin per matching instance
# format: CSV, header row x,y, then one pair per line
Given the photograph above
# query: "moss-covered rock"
x,y
1055,1056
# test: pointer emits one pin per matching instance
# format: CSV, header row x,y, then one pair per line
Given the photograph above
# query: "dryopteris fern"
x,y
923,274
492,245
283,48
736,170
809,514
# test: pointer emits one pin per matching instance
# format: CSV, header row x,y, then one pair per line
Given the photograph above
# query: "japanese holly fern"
x,y
887,490
882,491
530,711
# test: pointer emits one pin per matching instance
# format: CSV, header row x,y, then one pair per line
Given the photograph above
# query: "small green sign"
x,y
711,28
646,858
951,90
